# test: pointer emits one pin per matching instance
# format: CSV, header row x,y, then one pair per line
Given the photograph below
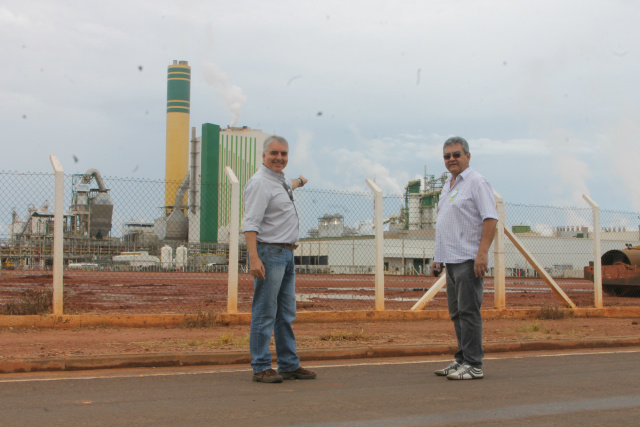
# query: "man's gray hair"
x,y
272,139
457,140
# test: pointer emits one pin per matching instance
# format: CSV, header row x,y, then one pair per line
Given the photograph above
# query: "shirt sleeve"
x,y
256,200
486,200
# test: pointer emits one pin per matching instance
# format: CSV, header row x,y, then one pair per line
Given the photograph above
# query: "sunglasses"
x,y
455,155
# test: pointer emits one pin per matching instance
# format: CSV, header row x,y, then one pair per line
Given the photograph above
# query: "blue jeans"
x,y
274,310
464,297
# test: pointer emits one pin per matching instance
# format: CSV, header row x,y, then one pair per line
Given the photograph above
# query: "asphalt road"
x,y
588,388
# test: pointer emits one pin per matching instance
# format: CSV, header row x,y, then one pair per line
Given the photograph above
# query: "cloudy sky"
x,y
546,92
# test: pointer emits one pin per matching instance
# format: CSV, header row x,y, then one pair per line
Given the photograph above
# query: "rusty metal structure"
x,y
620,272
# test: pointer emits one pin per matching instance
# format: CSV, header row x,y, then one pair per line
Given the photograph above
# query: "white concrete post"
x,y
597,261
499,297
234,231
379,243
58,236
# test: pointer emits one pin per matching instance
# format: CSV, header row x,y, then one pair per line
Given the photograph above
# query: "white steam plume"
x,y
571,172
624,154
231,94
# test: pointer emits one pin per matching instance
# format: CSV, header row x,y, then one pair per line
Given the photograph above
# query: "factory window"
x,y
312,260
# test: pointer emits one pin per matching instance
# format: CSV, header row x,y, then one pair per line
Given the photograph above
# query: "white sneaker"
x,y
466,372
453,366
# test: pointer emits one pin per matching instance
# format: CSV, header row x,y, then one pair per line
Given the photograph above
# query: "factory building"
x,y
238,148
197,193
90,213
39,222
332,226
197,201
411,252
409,241
421,207
91,210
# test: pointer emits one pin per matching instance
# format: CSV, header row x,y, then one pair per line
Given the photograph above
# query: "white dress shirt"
x,y
268,209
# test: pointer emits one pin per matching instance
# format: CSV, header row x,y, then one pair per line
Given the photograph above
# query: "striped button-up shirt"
x,y
461,212
268,209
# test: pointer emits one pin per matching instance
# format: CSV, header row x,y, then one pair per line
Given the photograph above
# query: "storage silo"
x,y
166,256
413,205
182,254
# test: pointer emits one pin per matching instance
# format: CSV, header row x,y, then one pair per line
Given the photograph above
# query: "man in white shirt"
x,y
271,228
465,227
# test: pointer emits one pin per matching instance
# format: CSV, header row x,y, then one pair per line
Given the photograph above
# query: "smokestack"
x,y
178,111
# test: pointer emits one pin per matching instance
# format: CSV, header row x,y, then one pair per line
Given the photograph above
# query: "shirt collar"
x,y
464,174
271,174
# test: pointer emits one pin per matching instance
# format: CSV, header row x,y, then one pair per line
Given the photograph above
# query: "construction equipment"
x,y
620,272
8,264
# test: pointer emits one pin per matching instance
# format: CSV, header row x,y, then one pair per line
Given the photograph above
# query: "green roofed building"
x,y
237,147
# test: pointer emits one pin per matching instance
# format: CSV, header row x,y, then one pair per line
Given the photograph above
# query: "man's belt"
x,y
292,246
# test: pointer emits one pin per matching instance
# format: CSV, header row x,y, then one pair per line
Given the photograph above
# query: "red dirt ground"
x,y
110,292
152,292
41,343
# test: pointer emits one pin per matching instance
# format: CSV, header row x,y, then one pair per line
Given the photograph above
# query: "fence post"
x,y
234,230
58,236
379,243
597,261
499,273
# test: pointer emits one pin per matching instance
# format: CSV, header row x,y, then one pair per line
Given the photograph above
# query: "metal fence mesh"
x,y
127,252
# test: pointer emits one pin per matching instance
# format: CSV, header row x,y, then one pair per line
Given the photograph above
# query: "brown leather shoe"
x,y
268,376
298,374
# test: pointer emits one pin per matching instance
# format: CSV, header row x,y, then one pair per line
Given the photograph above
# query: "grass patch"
x,y
202,320
345,336
226,340
538,327
551,313
31,302
530,327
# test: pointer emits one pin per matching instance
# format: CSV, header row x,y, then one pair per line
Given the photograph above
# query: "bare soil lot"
x,y
88,292
110,292
33,342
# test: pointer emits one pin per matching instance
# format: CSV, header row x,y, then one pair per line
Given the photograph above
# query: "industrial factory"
x,y
191,228
195,209
89,215
409,241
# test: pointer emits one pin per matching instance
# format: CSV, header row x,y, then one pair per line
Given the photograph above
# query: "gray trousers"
x,y
464,297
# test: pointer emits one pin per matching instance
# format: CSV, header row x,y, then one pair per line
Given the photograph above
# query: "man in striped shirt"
x,y
465,227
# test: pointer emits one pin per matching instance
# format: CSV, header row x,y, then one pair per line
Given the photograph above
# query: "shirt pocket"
x,y
464,202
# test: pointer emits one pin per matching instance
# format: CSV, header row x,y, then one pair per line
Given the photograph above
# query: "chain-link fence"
x,y
127,250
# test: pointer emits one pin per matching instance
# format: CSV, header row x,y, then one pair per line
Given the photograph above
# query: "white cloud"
x,y
11,18
73,70
623,154
519,146
571,184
